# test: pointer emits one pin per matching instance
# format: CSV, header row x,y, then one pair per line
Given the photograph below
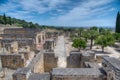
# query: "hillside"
x,y
7,20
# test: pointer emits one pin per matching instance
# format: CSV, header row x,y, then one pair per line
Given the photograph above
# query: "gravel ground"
x,y
113,52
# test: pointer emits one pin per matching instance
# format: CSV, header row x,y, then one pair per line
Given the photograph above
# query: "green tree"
x,y
105,40
94,28
101,30
80,30
1,20
79,43
117,36
92,35
117,29
85,34
9,21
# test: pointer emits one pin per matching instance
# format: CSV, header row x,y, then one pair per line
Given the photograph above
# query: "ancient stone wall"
x,y
12,61
19,77
87,57
21,74
26,55
76,78
110,66
49,45
50,61
73,61
20,31
39,66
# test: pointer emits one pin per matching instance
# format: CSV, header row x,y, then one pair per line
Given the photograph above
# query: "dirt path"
x,y
113,52
60,52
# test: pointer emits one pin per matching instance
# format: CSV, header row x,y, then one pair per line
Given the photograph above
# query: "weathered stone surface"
x,y
12,61
112,67
91,65
49,45
24,36
88,56
73,61
21,74
38,76
50,61
37,63
76,74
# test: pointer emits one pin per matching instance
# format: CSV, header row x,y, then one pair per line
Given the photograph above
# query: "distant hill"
x,y
11,22
7,20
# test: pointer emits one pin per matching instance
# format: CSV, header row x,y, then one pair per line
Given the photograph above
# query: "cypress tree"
x,y
117,30
5,19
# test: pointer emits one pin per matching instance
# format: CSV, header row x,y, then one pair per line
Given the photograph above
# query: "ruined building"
x,y
112,68
24,36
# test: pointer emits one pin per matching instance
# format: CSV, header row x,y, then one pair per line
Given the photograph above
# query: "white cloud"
x,y
20,15
41,6
9,6
81,13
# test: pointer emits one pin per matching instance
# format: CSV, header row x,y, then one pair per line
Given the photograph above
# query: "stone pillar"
x,y
44,37
37,39
41,37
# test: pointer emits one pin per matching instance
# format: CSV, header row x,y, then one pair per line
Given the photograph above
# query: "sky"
x,y
78,13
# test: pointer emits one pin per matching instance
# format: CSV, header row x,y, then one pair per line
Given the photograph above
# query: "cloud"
x,y
21,15
60,12
41,6
82,13
9,6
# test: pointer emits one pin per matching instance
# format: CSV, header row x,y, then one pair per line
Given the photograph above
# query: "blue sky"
x,y
63,12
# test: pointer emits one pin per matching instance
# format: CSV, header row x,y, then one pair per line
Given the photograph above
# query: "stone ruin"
x,y
24,37
24,53
73,71
112,68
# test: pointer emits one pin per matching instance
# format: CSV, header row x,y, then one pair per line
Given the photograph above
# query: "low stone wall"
x,y
99,58
37,63
77,74
73,61
12,61
39,66
21,74
76,78
50,61
87,57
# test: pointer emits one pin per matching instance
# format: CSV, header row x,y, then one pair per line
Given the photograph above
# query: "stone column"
x,y
41,37
37,39
44,37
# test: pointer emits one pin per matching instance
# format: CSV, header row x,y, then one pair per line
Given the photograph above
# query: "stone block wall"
x,y
86,58
73,61
21,74
50,61
19,77
111,67
26,54
12,61
49,45
39,66
76,78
